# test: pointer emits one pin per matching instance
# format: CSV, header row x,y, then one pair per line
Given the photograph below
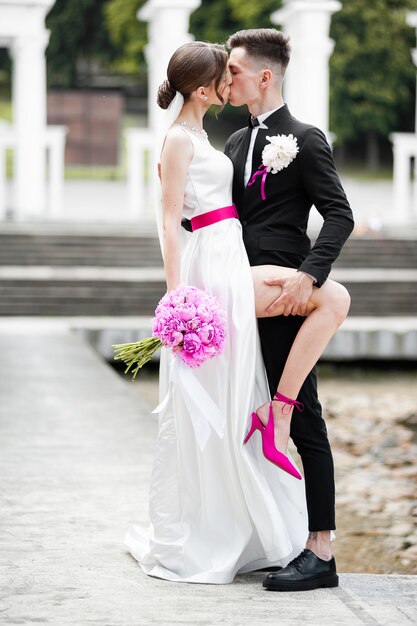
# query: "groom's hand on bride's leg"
x,y
296,292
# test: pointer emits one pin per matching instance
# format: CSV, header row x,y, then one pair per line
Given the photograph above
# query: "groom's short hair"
x,y
263,44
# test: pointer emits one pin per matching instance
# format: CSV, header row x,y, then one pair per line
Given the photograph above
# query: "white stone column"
x,y
55,143
167,30
29,121
306,86
139,145
168,23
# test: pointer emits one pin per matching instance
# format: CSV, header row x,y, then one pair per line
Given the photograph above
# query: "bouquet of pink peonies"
x,y
187,320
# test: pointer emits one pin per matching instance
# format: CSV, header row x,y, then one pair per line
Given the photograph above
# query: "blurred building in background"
x,y
94,124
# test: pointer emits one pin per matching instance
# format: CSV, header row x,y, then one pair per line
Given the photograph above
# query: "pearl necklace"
x,y
193,128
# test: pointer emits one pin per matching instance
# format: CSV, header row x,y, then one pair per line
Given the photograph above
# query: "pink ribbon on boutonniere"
x,y
261,171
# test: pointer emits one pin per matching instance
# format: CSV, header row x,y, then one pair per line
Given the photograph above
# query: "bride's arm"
x,y
175,161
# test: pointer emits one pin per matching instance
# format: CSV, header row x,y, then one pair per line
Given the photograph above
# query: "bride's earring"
x,y
205,97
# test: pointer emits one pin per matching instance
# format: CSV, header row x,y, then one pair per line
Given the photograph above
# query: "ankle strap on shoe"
x,y
288,402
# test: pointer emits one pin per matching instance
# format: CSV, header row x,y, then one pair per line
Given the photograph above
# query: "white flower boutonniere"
x,y
276,155
280,152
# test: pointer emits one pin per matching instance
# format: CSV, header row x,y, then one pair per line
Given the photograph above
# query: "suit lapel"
x,y
274,123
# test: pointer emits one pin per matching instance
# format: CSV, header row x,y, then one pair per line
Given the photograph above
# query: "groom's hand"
x,y
296,292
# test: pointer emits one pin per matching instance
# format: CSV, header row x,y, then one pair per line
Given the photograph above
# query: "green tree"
x,y
215,20
108,34
372,76
127,34
78,33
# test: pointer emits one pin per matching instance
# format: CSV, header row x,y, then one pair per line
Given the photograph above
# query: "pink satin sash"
x,y
212,217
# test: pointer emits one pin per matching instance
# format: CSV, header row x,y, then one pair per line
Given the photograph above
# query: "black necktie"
x,y
253,122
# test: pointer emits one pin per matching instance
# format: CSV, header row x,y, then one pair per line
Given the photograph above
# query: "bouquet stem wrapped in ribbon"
x,y
192,324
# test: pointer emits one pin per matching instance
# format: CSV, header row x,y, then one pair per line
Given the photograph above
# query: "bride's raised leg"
x,y
326,310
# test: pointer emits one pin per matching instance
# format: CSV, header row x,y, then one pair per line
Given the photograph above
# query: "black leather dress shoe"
x,y
304,572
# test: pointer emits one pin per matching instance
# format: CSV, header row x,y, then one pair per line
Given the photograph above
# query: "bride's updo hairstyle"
x,y
193,65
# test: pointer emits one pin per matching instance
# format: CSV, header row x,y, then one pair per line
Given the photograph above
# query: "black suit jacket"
x,y
274,229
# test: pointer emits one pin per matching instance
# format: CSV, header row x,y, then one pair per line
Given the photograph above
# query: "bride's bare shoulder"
x,y
178,143
178,136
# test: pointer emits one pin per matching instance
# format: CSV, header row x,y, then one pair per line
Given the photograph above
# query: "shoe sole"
x,y
308,585
273,568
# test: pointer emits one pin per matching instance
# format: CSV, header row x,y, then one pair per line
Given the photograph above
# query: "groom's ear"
x,y
266,78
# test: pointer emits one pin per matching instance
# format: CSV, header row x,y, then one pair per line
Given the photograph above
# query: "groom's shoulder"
x,y
234,137
307,133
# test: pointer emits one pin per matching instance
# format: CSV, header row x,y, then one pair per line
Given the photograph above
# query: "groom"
x,y
274,231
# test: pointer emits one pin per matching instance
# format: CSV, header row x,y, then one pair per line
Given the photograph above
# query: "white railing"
x,y
55,146
404,187
140,172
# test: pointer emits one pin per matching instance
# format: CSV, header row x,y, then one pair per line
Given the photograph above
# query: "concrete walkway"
x,y
75,455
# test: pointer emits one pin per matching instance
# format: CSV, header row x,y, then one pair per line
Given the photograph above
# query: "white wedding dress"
x,y
225,509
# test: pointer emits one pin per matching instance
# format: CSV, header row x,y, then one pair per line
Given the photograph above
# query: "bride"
x,y
228,508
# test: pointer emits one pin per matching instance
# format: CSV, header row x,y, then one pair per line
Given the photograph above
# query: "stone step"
x,y
378,253
138,296
71,273
102,250
79,297
135,250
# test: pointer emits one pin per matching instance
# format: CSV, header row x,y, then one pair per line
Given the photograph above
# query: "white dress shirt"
x,y
261,118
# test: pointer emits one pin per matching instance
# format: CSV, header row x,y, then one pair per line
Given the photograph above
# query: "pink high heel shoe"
x,y
256,424
268,444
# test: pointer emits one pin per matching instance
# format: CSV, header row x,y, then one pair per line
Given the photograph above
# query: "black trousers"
x,y
308,429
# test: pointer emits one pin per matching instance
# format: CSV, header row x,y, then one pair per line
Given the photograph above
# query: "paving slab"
x,y
76,448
